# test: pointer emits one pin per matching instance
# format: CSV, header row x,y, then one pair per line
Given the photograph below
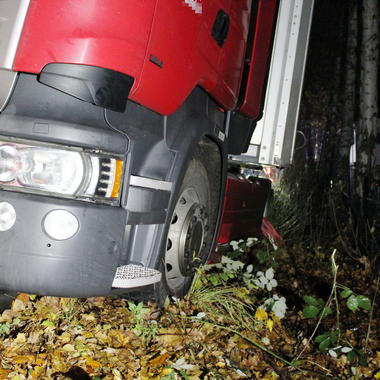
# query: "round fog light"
x,y
7,216
60,224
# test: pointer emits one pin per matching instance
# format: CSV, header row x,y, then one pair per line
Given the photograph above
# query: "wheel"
x,y
192,224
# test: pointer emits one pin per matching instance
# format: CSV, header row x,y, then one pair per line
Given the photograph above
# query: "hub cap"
x,y
186,244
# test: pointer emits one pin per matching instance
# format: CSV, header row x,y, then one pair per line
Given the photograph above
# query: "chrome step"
x,y
133,276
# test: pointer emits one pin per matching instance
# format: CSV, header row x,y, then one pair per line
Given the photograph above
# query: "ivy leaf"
x,y
310,311
352,303
326,311
346,293
325,344
351,356
334,336
321,337
364,302
311,300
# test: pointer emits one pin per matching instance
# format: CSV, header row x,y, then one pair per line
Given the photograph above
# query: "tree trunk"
x,y
366,154
350,103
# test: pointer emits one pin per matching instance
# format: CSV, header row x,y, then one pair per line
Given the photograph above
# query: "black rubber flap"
x,y
102,87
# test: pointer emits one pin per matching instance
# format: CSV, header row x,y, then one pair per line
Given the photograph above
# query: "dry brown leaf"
x,y
4,373
23,297
159,360
18,305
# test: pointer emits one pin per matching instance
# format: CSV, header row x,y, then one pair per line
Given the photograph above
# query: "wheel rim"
x,y
186,243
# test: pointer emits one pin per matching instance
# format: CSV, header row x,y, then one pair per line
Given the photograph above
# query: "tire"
x,y
192,224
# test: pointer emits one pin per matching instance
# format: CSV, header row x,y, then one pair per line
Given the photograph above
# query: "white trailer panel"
x,y
273,140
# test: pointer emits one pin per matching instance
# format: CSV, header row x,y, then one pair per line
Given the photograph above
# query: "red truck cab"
x,y
116,122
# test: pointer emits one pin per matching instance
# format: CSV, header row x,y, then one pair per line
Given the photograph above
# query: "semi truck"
x,y
118,121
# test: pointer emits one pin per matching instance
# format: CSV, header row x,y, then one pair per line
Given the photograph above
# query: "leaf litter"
x,y
224,329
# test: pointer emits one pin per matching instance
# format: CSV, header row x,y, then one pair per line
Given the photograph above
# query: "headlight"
x,y
60,171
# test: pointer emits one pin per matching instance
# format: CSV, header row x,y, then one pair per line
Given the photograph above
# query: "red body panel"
x,y
244,205
261,49
111,34
127,36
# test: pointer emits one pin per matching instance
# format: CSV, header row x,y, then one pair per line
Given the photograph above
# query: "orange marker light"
x,y
117,181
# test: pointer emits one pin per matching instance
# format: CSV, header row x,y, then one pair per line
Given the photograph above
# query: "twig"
x,y
371,314
335,273
320,366
333,292
253,342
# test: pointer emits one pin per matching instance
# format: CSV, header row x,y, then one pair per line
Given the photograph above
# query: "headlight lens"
x,y
60,171
9,163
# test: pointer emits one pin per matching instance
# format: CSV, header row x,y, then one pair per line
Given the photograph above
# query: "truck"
x,y
118,121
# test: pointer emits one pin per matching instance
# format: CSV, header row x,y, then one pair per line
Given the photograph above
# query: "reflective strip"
x,y
12,17
7,82
150,183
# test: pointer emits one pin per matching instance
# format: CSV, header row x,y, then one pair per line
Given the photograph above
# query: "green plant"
x,y
6,327
241,246
142,326
315,307
329,341
223,273
354,302
224,302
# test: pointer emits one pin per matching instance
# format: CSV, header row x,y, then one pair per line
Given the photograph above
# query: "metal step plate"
x,y
132,276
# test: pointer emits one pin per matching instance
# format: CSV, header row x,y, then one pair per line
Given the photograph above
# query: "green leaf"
x,y
363,360
325,344
262,256
334,335
364,302
47,323
311,301
326,311
214,279
345,293
321,337
352,303
5,329
311,311
351,356
183,374
295,363
16,321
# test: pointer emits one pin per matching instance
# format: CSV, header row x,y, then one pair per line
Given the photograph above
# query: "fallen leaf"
x,y
18,305
23,297
261,314
93,363
4,373
159,360
269,323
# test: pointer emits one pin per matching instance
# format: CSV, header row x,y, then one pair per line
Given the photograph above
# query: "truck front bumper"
x,y
81,266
